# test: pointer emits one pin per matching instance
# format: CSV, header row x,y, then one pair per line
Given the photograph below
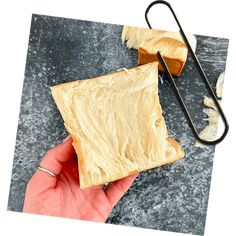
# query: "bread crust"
x,y
175,65
149,41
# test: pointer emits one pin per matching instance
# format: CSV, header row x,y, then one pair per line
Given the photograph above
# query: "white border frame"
x,y
206,17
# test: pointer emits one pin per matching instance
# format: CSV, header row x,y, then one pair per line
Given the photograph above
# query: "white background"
x,y
214,18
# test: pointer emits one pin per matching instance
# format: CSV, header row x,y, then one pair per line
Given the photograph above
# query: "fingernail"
x,y
66,139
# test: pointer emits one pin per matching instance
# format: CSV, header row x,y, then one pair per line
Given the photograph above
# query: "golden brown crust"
x,y
177,148
175,65
174,52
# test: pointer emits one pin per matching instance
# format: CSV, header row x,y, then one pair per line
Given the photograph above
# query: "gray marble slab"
x,y
173,197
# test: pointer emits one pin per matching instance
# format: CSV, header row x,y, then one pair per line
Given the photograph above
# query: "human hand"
x,y
62,196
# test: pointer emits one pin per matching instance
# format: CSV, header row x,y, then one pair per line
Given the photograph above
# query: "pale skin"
x,y
62,196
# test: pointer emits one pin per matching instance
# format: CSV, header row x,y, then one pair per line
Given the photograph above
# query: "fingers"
x,y
56,156
53,161
119,188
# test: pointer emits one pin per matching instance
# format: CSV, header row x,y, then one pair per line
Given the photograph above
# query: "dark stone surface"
x,y
173,197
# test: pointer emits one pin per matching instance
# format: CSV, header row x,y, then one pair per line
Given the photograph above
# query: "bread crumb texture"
x,y
210,131
116,124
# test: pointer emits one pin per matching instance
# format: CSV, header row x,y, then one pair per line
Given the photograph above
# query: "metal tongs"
x,y
202,74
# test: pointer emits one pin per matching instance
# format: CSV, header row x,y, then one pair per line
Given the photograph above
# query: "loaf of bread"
x,y
116,124
149,42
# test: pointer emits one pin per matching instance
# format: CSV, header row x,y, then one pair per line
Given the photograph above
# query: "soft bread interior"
x,y
116,124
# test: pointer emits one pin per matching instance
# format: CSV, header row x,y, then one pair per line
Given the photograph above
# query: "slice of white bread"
x,y
150,41
116,124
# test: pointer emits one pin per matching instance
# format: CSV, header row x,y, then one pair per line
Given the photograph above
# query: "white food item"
x,y
210,131
219,85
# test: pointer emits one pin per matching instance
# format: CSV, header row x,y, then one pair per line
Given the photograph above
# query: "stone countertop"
x,y
173,197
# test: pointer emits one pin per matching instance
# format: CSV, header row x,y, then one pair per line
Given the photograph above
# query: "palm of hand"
x,y
63,197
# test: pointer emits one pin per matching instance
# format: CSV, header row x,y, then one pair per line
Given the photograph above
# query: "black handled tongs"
x,y
201,72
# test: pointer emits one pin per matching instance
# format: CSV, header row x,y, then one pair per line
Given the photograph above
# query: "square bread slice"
x,y
116,124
